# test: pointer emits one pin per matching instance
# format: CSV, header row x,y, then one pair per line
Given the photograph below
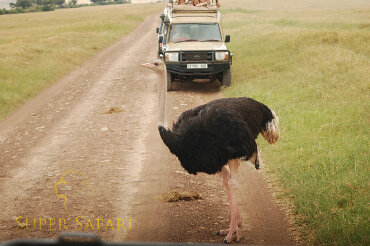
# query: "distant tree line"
x,y
26,6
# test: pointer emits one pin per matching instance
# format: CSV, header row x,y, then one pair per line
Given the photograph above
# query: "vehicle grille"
x,y
196,56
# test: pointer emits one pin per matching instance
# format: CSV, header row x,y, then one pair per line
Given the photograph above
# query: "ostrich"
x,y
212,138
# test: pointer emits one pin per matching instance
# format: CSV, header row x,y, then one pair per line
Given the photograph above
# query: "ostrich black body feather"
x,y
206,137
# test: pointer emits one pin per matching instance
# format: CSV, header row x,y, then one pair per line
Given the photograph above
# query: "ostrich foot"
x,y
231,235
227,231
224,232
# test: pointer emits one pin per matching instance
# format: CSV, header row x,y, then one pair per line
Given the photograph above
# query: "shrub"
x,y
47,8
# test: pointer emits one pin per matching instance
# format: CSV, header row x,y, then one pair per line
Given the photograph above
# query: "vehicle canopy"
x,y
199,23
185,13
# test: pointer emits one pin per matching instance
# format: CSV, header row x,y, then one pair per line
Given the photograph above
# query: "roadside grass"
x,y
312,67
36,49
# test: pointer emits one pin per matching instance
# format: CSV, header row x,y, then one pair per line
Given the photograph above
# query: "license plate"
x,y
195,66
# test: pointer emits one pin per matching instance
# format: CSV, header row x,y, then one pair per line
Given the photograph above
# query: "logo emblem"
x,y
62,182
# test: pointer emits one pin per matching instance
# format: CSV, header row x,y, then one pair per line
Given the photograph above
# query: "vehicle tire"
x,y
217,82
169,81
226,78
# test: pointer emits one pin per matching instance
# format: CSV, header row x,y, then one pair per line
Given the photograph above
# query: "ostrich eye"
x,y
156,63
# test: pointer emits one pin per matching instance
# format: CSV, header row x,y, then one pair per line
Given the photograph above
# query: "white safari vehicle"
x,y
193,45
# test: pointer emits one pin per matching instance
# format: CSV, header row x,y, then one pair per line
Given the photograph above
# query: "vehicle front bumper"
x,y
213,68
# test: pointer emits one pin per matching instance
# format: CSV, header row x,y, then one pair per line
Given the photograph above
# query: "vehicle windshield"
x,y
195,32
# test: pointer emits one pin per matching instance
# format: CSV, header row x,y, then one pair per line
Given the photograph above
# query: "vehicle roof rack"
x,y
208,4
174,10
193,9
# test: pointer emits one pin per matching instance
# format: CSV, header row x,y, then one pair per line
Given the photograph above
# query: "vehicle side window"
x,y
161,28
165,31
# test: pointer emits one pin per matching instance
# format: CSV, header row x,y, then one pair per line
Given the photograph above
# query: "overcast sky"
x,y
5,3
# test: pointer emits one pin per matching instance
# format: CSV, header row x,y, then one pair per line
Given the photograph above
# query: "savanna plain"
x,y
308,60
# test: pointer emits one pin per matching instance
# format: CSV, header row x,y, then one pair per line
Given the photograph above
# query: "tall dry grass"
x,y
310,62
38,48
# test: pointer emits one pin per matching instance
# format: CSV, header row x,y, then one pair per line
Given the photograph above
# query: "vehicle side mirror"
x,y
157,29
160,40
227,38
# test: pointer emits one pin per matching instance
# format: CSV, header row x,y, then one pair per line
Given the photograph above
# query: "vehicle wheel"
x,y
217,81
226,78
169,81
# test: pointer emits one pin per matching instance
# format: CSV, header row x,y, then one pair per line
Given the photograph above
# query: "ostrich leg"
x,y
230,181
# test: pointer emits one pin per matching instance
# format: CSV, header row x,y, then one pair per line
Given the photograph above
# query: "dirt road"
x,y
68,163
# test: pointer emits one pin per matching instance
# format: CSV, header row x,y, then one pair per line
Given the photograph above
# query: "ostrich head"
x,y
155,65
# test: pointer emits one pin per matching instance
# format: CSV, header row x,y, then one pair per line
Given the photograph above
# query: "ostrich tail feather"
x,y
272,132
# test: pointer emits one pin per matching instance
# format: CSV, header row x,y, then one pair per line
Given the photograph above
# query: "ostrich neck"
x,y
162,95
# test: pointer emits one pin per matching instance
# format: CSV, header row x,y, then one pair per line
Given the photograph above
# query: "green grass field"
x,y
36,49
310,62
307,59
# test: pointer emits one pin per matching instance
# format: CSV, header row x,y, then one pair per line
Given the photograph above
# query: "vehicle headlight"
x,y
222,55
172,56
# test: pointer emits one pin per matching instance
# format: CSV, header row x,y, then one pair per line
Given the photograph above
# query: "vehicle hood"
x,y
196,46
